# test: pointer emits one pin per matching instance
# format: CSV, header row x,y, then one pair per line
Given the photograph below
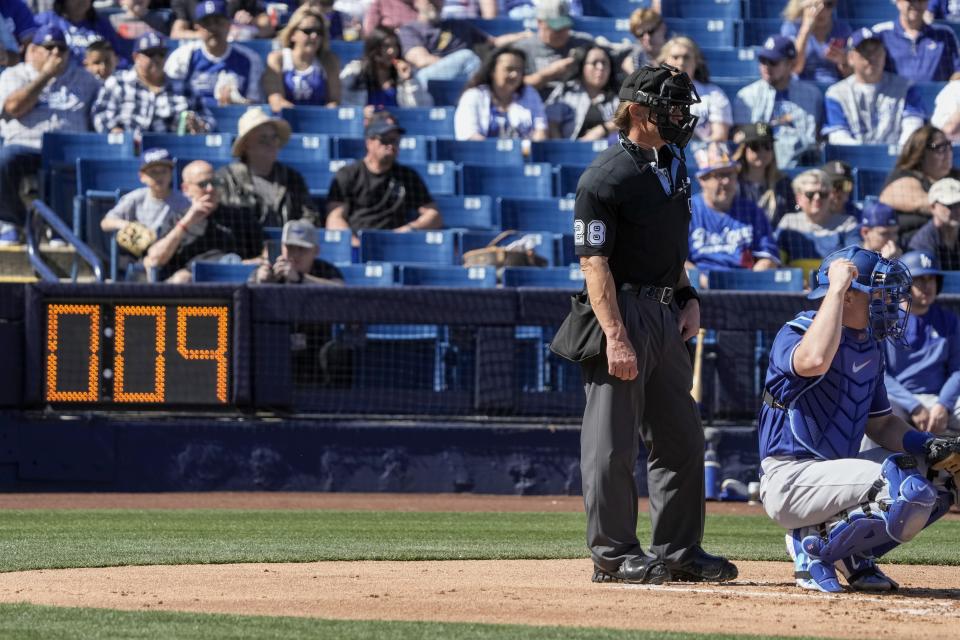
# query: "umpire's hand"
x,y
621,358
688,320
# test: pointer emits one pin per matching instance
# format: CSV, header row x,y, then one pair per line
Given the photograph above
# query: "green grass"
x,y
26,622
51,539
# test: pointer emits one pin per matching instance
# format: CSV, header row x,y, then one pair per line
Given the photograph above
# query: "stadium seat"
x,y
306,147
372,274
613,8
864,156
567,251
528,214
337,121
445,92
441,178
262,47
755,31
221,271
868,182
412,149
211,146
708,32
769,9
616,30
426,121
735,63
502,25
108,175
566,151
506,152
317,174
547,278
347,51
928,94
416,247
472,277
745,280
873,10
722,9
335,246
228,115
544,244
58,162
951,282
477,213
534,180
567,178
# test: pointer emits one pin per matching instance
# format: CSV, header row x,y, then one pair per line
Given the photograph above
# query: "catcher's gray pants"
x,y
657,406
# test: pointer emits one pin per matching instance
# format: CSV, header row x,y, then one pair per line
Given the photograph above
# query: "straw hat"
x,y
254,118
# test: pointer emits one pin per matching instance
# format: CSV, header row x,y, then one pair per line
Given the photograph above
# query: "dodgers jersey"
x,y
195,72
729,240
826,416
930,361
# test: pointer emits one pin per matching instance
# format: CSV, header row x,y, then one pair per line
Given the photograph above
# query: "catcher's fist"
x,y
943,454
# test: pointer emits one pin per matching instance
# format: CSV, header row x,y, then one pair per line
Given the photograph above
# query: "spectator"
x,y
379,193
100,60
727,231
948,10
143,98
137,19
50,92
275,192
872,106
442,49
304,71
245,19
469,9
713,110
212,69
582,109
336,20
917,51
650,30
208,231
879,229
841,186
298,262
497,104
925,158
946,111
382,78
389,14
923,371
820,40
20,24
815,231
760,180
9,47
81,25
151,210
939,236
550,52
793,107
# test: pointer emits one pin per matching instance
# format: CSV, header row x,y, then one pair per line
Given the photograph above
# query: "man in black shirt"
x,y
940,236
632,216
379,193
298,262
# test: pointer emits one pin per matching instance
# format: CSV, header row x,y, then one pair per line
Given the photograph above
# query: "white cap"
x,y
945,191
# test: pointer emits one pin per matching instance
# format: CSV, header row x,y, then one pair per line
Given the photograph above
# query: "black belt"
x,y
770,401
663,295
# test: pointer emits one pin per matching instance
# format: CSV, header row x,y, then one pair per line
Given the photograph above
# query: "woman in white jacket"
x,y
381,78
497,104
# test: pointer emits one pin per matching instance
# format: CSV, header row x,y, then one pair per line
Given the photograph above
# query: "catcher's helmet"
x,y
668,93
886,281
921,263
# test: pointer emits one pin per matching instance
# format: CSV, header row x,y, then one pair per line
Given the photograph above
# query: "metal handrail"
x,y
61,229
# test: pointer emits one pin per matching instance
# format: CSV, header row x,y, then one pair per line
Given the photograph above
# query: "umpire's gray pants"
x,y
657,406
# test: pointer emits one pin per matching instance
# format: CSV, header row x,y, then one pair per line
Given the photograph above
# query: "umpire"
x,y
631,226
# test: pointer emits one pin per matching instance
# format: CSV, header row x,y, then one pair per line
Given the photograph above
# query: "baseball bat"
x,y
697,390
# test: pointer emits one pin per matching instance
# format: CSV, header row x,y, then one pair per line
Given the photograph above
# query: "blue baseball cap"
x,y
149,42
777,48
860,36
210,8
877,214
921,263
49,34
155,156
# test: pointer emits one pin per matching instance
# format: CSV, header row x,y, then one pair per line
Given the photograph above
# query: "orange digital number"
x,y
120,316
92,393
219,355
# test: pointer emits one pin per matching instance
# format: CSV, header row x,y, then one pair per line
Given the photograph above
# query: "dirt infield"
x,y
538,592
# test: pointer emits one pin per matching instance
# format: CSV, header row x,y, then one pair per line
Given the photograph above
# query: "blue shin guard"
x,y
808,572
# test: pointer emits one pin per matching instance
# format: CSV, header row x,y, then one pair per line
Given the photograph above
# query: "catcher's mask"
x,y
668,93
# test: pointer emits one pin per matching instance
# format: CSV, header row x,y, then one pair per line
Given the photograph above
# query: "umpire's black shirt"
x,y
633,206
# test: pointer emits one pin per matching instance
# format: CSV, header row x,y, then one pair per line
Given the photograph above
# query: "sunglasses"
x,y
204,184
937,147
650,31
760,146
55,47
393,141
155,54
810,195
316,31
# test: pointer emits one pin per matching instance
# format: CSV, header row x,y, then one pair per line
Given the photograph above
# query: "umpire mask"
x,y
668,93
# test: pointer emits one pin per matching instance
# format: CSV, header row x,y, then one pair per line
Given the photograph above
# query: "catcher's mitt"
x,y
943,454
136,238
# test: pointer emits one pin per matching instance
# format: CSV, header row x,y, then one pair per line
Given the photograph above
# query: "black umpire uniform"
x,y
633,207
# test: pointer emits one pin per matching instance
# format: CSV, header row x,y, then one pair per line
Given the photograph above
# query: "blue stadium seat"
x,y
372,274
745,280
426,121
755,31
708,32
769,9
506,152
412,149
951,282
416,247
928,94
262,47
567,251
544,244
528,214
864,156
317,174
868,182
502,25
221,271
335,246
723,9
566,151
873,10
534,180
616,30
228,115
613,8
461,277
337,121
445,92
441,178
108,175
211,146
735,63
58,158
567,178
306,147
477,213
547,278
347,51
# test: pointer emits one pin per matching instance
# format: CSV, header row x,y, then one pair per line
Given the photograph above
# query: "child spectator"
x,y
100,60
879,229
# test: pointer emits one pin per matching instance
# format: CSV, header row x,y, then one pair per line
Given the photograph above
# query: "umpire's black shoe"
x,y
704,567
635,570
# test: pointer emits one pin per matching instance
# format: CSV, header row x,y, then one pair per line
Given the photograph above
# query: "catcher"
x,y
149,212
843,508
